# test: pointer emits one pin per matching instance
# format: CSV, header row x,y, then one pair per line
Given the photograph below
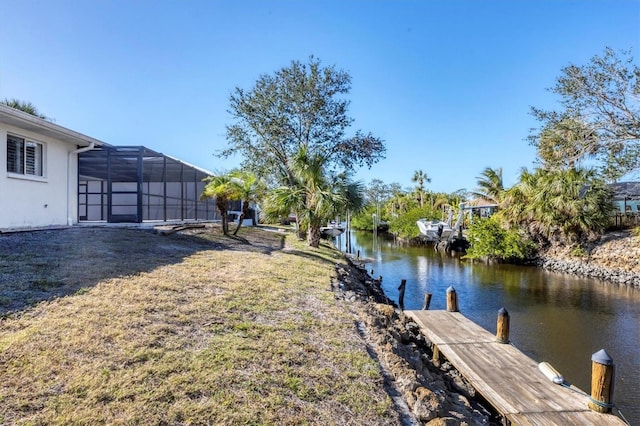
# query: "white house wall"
x,y
29,201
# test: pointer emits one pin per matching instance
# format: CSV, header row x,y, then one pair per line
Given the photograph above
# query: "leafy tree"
x,y
23,106
224,187
458,196
299,106
399,204
377,192
564,144
491,242
363,220
490,186
601,102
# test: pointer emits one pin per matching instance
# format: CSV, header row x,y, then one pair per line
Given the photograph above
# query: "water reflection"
x,y
555,317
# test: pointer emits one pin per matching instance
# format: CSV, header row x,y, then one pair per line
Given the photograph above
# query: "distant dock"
x,y
508,379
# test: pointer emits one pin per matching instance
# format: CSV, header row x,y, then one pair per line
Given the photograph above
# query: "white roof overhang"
x,y
23,120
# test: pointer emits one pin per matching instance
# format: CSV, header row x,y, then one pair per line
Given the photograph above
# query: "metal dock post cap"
x,y
450,289
502,311
602,357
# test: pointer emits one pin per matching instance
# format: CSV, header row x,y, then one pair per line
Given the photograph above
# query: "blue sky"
x,y
447,84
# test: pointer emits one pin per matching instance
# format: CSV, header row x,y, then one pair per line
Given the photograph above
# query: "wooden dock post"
x,y
358,254
403,284
452,300
435,357
502,333
427,302
602,376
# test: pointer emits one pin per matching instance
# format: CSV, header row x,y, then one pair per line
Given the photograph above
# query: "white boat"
x,y
434,230
437,230
333,229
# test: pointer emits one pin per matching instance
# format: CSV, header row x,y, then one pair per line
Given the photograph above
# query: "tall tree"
x,y
23,106
601,102
564,144
420,178
299,106
376,192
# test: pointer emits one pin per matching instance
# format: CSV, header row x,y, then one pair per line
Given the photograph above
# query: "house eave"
x,y
28,122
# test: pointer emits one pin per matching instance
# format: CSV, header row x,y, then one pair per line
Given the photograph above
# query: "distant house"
x,y
54,176
626,197
38,170
480,207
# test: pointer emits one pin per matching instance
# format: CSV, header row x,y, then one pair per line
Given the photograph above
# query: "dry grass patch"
x,y
187,329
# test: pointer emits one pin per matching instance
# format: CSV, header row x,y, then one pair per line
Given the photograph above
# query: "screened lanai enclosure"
x,y
136,184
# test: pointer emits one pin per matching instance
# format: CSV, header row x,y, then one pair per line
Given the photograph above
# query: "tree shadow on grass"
x,y
252,240
313,256
42,265
327,253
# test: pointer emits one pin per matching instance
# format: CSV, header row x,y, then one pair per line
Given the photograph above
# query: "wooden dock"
x,y
508,379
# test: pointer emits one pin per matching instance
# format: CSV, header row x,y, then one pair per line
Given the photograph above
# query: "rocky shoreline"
x,y
615,258
424,392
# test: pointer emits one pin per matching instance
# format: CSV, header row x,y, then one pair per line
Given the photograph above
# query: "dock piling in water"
x,y
427,302
403,284
602,376
502,333
452,300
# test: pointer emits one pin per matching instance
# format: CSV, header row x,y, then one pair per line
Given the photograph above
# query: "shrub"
x,y
490,241
363,221
405,225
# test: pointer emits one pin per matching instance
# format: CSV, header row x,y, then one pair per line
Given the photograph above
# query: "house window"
x,y
24,156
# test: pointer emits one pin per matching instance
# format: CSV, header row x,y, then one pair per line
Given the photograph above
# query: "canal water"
x,y
555,317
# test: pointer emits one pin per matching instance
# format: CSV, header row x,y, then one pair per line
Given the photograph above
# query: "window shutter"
x,y
33,159
15,148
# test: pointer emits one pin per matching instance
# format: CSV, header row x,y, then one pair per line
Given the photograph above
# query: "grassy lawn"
x,y
122,326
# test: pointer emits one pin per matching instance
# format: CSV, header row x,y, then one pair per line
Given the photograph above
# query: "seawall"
x,y
615,258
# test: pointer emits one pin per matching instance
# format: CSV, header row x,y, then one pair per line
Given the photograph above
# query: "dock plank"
x,y
507,378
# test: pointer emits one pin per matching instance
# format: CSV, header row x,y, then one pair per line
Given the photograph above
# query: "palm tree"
x,y
250,189
224,187
420,177
490,186
560,206
354,201
312,196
